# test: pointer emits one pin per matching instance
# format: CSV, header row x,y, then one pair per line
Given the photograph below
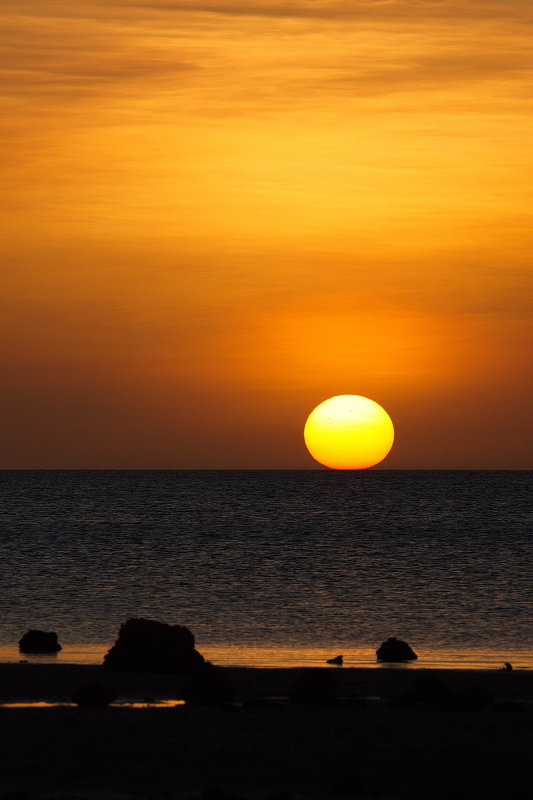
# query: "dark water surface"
x,y
272,560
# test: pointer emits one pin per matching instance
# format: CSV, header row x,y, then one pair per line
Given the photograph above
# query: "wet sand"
x,y
365,750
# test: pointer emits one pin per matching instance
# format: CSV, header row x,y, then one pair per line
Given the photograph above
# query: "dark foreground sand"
x,y
374,752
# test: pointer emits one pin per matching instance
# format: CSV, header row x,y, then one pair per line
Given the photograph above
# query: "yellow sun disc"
x,y
349,432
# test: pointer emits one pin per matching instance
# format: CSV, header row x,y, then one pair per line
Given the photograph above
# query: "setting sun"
x,y
349,432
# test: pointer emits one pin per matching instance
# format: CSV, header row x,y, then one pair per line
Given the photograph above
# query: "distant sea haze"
x,y
272,567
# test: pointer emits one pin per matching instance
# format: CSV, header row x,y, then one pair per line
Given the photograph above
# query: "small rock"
x,y
38,642
338,661
395,650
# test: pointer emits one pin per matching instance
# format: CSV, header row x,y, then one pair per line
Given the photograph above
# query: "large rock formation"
x,y
39,642
145,645
395,650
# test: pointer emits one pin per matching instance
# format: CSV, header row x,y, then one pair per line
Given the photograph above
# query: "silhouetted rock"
x,y
148,646
94,695
338,661
39,642
314,687
395,650
507,667
207,686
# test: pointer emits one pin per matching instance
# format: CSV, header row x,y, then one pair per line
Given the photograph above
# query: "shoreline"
x,y
33,682
235,656
371,750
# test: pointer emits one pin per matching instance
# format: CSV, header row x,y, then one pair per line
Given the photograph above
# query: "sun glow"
x,y
349,432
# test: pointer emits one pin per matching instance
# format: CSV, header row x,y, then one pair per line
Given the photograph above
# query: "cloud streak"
x,y
380,10
54,56
73,52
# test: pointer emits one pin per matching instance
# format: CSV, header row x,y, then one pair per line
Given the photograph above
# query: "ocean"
x,y
272,568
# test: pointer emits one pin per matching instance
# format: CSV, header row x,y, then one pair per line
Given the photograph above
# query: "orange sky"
x,y
215,215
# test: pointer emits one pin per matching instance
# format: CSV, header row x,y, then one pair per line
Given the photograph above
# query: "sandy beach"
x,y
362,747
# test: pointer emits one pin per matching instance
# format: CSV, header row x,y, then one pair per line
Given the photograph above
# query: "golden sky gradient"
x,y
215,215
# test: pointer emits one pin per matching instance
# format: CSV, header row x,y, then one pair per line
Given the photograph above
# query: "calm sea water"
x,y
272,567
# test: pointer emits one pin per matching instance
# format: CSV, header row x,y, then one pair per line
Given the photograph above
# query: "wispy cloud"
x,y
454,66
66,51
61,57
514,10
